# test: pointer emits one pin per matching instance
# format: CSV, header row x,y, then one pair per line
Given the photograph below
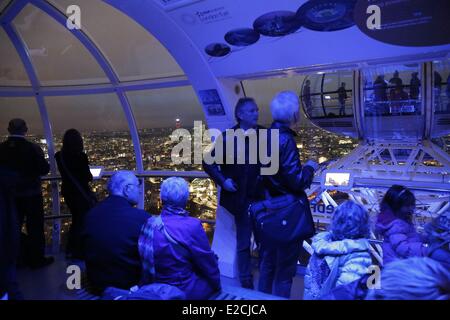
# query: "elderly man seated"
x,y
174,247
110,235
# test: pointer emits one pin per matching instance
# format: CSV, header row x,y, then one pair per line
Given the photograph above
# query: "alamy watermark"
x,y
73,17
234,146
73,281
374,20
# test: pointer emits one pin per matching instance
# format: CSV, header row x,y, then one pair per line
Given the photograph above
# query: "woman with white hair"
x,y
175,249
279,262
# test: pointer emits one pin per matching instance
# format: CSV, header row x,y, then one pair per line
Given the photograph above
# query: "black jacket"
x,y
110,242
9,228
78,165
292,177
244,175
27,159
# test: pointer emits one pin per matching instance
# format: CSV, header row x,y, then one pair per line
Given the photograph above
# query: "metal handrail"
x,y
65,216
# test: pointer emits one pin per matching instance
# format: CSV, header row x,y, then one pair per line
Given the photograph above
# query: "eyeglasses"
x,y
133,184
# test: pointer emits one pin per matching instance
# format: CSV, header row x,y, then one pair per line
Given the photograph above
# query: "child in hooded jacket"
x,y
394,225
344,249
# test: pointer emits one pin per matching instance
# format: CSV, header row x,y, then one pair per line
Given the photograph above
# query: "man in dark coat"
x,y
110,235
9,234
238,182
27,159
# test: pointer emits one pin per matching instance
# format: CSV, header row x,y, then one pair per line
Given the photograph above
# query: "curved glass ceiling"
x,y
132,51
3,4
60,59
12,72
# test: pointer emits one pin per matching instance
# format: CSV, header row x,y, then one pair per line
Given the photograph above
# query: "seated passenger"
x,y
395,225
177,252
110,235
413,279
341,255
438,232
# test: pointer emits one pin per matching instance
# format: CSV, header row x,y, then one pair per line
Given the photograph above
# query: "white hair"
x,y
284,106
417,278
119,180
174,191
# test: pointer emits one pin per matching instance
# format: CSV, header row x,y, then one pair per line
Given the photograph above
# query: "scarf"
x,y
145,242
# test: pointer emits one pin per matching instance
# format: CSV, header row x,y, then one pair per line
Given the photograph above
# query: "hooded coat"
x,y
352,255
401,240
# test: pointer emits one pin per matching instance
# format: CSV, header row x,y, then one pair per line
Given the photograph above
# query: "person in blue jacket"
x,y
179,254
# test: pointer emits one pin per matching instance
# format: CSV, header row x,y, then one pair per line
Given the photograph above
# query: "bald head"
x,y
125,184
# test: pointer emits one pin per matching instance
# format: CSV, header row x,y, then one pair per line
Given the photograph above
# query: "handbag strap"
x,y
73,180
330,282
160,226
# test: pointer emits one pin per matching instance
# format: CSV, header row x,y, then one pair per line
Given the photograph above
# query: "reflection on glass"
x,y
12,72
133,52
58,57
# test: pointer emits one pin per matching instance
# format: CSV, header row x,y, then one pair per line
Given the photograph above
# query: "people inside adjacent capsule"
x,y
175,250
380,89
238,181
278,264
414,86
73,165
28,161
110,235
342,254
395,226
396,80
342,97
306,97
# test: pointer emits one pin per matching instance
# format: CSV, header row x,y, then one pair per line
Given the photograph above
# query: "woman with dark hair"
x,y
73,166
395,225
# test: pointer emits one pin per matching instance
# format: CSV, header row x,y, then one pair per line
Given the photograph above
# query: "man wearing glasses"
x,y
110,235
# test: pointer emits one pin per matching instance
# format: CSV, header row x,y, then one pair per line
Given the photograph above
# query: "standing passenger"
x,y
73,165
9,235
238,183
342,96
278,264
27,159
